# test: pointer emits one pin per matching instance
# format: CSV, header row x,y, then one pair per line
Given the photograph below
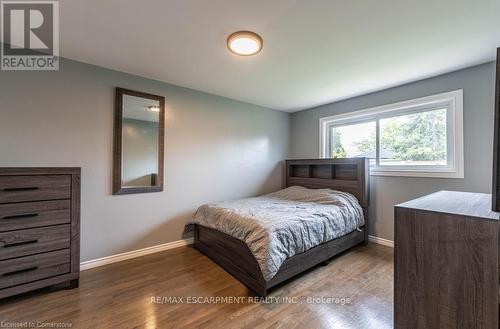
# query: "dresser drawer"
x,y
33,188
31,268
16,216
36,240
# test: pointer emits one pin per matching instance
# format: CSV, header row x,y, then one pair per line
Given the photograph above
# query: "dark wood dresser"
x,y
39,228
446,262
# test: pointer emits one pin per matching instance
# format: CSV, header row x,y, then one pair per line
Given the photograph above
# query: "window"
x,y
354,140
420,138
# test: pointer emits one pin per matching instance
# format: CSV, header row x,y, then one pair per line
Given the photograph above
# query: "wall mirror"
x,y
138,142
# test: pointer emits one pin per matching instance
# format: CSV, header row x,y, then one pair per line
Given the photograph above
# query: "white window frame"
x,y
452,101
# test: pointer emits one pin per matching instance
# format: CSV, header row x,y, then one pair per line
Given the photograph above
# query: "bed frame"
x,y
348,175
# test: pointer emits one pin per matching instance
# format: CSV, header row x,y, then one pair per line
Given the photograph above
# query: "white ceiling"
x,y
315,51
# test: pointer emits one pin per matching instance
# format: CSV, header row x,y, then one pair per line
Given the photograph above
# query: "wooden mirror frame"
x,y
117,143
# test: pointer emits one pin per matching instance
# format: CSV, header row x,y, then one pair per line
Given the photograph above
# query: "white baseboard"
x,y
384,242
133,254
171,245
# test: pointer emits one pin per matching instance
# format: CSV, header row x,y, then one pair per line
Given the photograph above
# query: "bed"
x,y
340,182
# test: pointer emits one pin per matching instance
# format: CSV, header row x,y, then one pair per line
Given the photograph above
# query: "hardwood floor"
x,y
120,295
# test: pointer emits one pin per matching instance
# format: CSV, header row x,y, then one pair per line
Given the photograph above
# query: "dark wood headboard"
x,y
347,175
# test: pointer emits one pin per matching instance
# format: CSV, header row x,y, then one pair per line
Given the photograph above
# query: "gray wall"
x,y
478,85
216,149
139,151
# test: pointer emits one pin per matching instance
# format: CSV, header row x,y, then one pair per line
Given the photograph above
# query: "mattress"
x,y
285,223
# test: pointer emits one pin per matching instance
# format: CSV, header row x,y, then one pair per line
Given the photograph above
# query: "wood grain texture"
x,y
35,171
31,188
75,223
34,241
232,255
118,295
314,256
117,144
39,228
16,216
468,204
496,142
348,175
235,257
446,265
31,268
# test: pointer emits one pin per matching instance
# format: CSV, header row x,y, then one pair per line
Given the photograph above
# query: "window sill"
x,y
417,173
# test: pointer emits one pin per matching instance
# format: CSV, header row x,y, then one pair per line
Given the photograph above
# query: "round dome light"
x,y
244,43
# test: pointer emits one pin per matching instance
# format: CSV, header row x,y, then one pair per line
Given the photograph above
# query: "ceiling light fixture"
x,y
244,43
153,108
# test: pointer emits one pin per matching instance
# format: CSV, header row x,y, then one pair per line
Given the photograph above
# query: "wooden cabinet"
x,y
446,262
39,228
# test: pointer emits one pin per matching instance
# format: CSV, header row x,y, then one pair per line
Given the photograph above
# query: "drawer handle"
x,y
15,244
20,216
20,189
29,269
